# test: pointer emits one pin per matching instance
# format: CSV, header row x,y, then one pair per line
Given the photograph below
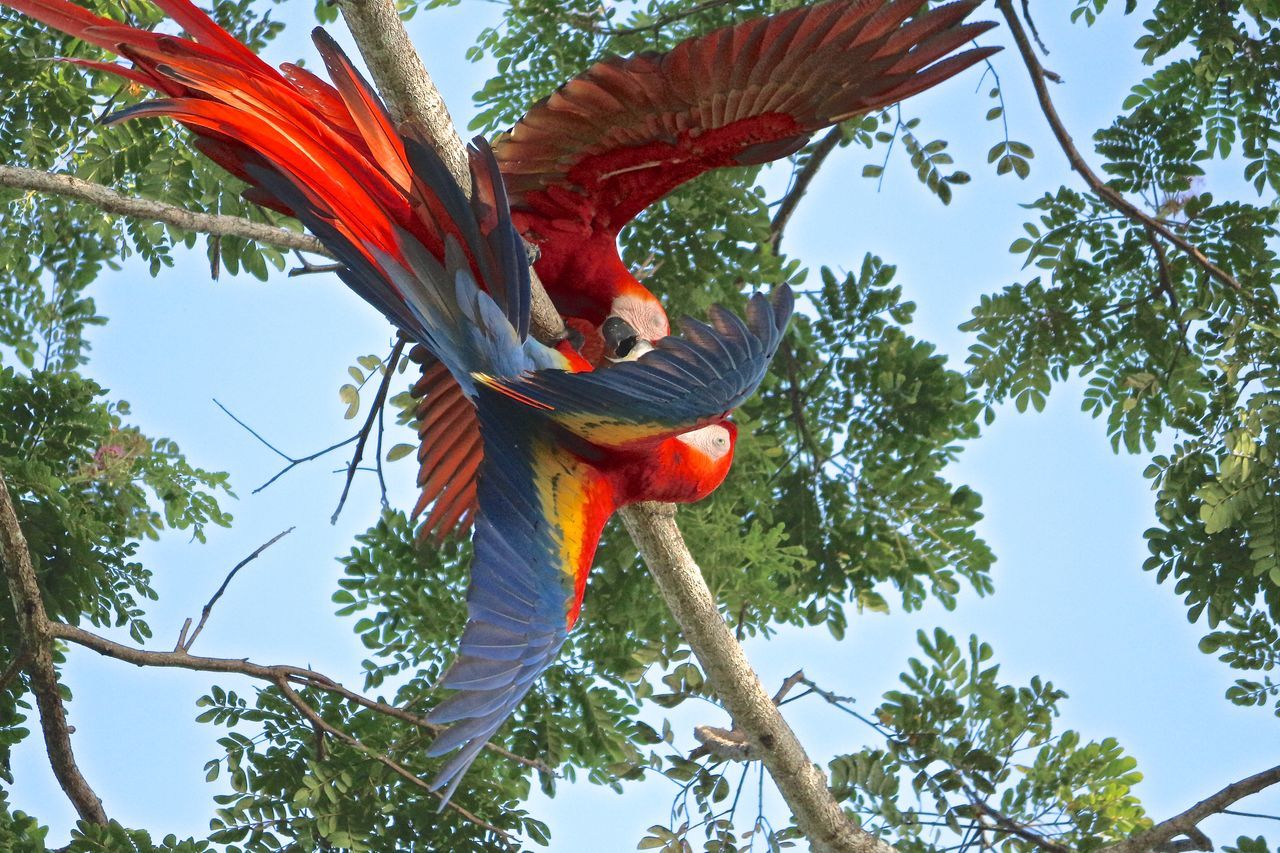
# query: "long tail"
x,y
335,144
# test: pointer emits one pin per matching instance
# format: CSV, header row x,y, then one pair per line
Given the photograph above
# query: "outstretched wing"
x,y
449,453
683,383
625,132
541,513
339,157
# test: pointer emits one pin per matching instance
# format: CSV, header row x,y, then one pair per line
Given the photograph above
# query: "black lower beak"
x,y
619,337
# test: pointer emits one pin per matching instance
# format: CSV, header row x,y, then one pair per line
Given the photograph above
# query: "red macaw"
x,y
624,133
582,163
562,447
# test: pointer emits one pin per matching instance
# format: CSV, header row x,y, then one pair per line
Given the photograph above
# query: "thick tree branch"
x,y
1106,193
111,201
802,783
652,527
37,638
412,97
400,76
1159,836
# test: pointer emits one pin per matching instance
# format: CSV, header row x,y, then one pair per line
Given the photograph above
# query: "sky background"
x,y
1064,514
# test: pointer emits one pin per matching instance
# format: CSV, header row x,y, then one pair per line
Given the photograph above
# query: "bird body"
x,y
558,447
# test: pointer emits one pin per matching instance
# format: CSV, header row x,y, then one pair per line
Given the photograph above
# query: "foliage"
x,y
1169,350
839,503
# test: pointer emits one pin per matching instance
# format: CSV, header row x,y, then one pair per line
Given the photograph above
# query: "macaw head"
x,y
636,319
693,464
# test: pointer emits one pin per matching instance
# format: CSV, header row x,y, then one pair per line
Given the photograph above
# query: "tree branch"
x,y
1012,827
1106,193
802,783
37,635
412,97
180,659
817,156
400,76
111,201
185,642
321,725
651,526
375,411
1158,836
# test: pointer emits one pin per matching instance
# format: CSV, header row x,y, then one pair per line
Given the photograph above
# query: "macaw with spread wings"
x,y
563,446
617,138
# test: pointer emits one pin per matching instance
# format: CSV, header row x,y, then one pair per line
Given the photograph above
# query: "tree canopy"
x,y
1143,277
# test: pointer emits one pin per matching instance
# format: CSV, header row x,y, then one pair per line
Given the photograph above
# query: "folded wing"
x,y
541,513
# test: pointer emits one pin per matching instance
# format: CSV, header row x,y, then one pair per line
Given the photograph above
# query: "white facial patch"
x,y
644,315
712,440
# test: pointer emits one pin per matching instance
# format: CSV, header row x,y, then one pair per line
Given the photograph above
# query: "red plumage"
x,y
577,167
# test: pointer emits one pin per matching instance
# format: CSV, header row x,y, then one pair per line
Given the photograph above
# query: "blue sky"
x,y
1064,515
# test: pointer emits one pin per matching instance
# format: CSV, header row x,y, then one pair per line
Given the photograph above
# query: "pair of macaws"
x,y
535,445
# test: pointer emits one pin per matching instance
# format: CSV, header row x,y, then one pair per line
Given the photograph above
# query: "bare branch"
x,y
804,177
802,784
1035,34
731,744
379,400
724,744
1185,823
15,666
184,642
34,627
1001,823
179,659
319,723
111,201
1106,193
293,463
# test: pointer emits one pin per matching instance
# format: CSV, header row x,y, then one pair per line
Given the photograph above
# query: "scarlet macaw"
x,y
624,133
562,447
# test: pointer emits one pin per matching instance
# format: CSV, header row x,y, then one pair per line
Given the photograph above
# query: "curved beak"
x,y
621,342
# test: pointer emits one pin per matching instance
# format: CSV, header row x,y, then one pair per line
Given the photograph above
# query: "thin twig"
x,y
1012,827
394,766
35,629
818,154
111,201
1105,192
1031,25
184,642
293,463
363,436
1251,814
